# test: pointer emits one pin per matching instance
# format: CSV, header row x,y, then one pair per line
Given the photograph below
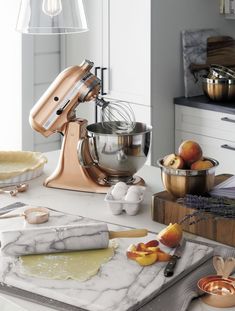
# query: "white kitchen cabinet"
x,y
127,49
118,42
214,131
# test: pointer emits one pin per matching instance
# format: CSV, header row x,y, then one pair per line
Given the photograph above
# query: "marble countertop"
x,y
87,205
202,102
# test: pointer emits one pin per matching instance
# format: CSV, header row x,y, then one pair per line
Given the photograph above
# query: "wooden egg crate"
x,y
166,210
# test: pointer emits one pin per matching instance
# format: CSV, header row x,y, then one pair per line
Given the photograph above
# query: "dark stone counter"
x,y
202,102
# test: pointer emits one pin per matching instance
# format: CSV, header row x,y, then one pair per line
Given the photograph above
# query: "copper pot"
x,y
180,182
221,89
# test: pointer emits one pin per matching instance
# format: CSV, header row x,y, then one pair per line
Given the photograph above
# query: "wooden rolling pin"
x,y
61,238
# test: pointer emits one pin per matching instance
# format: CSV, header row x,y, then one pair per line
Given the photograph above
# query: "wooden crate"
x,y
166,210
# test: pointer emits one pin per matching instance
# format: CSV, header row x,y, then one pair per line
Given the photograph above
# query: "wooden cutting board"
x,y
166,210
220,50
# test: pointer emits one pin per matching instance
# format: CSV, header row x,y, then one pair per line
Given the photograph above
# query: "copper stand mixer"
x,y
55,112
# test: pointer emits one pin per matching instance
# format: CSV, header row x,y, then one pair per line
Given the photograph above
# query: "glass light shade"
x,y
51,17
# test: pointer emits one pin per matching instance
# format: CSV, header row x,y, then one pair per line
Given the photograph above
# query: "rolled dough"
x,y
80,265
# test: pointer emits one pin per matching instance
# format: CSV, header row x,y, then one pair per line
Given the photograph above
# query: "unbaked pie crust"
x,y
14,163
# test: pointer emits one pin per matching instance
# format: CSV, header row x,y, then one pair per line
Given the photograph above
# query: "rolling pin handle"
x,y
135,233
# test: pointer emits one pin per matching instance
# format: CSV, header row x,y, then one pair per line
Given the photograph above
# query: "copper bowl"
x,y
180,182
218,292
219,89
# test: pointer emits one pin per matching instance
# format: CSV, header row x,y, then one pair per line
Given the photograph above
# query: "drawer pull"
x,y
225,146
228,119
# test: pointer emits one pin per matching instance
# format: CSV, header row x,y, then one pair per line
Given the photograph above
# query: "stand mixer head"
x,y
57,105
78,168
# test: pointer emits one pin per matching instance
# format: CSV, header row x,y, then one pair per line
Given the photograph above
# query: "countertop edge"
x,y
202,102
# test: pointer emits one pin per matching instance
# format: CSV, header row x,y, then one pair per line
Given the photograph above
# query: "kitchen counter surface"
x,y
88,205
202,102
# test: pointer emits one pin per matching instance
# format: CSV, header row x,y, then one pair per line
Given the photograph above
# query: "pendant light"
x,y
51,17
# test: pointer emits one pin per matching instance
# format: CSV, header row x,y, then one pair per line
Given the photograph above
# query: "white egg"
x,y
136,189
118,193
122,185
132,196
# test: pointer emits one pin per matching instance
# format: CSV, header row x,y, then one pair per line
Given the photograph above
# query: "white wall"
x,y
47,65
169,18
10,78
40,65
28,65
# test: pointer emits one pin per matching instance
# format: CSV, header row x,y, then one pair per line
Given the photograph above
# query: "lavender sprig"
x,y
221,206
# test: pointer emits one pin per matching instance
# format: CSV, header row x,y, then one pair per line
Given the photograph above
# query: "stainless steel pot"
x,y
121,155
221,72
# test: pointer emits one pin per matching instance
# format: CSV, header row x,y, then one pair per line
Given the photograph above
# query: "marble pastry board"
x,y
120,285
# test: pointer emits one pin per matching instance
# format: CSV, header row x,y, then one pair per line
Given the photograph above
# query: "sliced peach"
x,y
162,256
135,254
152,249
152,243
147,259
141,247
131,248
174,161
171,235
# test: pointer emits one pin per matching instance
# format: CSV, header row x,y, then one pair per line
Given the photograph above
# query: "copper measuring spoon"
x,y
13,191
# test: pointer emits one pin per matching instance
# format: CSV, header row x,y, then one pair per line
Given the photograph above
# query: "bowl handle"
x,y
84,153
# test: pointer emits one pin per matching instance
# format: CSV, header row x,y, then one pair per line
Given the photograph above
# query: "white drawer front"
x,y
210,123
214,148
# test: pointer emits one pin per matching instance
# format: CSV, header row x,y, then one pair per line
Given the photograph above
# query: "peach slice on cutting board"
x,y
147,253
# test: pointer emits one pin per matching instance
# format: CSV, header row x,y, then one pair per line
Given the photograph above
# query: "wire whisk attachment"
x,y
116,115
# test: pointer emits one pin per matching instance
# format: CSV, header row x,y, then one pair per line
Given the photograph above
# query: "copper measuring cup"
x,y
33,215
219,289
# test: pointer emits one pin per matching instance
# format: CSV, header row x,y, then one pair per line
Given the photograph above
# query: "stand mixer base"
x,y
135,180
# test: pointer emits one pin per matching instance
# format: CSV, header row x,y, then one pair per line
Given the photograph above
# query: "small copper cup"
x,y
218,291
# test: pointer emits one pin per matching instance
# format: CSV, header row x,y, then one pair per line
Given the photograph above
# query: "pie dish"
x,y
19,166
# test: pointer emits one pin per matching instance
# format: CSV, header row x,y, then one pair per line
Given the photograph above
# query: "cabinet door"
x,y
87,45
204,122
126,49
221,150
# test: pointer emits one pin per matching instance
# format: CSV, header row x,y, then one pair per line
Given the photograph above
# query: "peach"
x,y
152,243
147,253
141,247
147,259
174,161
190,151
162,256
171,235
201,165
133,255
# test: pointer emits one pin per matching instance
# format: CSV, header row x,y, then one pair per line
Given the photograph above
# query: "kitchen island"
x,y
88,205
